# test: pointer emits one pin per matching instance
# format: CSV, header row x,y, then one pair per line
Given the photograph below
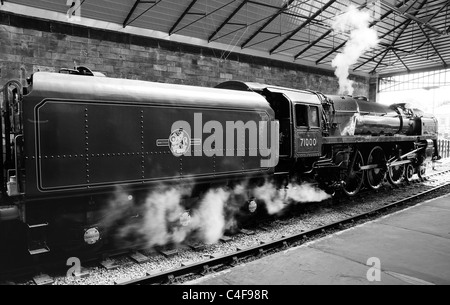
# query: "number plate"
x,y
308,144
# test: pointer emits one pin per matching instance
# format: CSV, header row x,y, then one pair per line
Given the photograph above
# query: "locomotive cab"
x,y
299,114
300,123
307,124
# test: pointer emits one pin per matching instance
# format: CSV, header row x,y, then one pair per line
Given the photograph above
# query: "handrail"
x,y
16,163
7,130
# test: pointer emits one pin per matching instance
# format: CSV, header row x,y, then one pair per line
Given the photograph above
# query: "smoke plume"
x,y
362,38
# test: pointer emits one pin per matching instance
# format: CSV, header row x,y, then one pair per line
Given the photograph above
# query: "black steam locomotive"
x,y
70,139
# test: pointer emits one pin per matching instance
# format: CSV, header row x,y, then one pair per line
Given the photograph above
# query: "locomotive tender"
x,y
69,139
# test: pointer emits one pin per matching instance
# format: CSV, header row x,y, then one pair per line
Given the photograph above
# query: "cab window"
x,y
315,121
301,115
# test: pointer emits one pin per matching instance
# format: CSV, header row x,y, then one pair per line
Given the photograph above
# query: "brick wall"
x,y
29,44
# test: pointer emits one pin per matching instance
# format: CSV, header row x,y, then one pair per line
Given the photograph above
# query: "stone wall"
x,y
29,44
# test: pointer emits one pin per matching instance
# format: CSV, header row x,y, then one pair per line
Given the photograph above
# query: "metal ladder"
x,y
37,239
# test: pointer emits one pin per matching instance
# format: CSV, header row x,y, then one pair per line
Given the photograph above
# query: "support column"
x,y
373,89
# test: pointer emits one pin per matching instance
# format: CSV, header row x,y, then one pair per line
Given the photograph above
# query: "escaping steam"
x,y
149,220
161,210
271,196
209,219
277,200
160,218
362,38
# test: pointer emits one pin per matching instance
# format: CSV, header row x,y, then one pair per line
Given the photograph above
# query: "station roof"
x,y
414,34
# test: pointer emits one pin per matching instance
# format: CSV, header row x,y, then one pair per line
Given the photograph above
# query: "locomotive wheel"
x,y
409,172
375,177
355,177
421,171
396,174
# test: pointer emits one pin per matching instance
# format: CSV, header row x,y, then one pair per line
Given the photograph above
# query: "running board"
x,y
39,251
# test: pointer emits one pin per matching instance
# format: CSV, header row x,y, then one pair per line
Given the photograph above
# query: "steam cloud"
x,y
209,219
362,38
155,220
277,200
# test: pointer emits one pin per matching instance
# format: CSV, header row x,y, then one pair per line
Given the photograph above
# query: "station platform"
x,y
412,246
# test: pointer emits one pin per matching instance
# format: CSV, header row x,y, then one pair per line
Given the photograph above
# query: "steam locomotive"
x,y
71,138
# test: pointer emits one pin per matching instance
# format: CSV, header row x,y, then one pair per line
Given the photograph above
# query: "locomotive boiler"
x,y
71,139
357,117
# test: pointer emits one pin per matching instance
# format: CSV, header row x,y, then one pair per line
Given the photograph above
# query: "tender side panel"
x,y
60,145
82,144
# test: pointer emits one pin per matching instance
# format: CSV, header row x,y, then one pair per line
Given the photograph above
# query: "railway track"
x,y
230,260
211,263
